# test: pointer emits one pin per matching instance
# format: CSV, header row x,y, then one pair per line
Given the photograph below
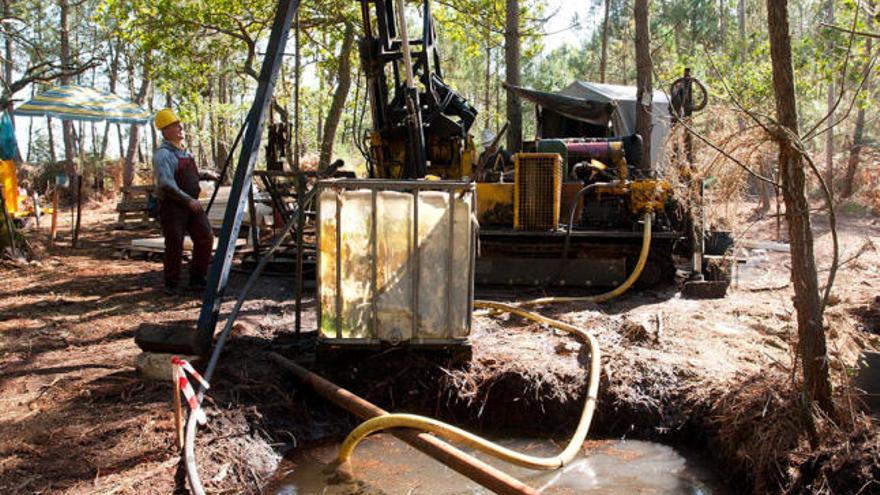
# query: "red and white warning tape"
x,y
179,367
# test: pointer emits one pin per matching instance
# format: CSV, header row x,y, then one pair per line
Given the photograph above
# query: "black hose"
x,y
563,260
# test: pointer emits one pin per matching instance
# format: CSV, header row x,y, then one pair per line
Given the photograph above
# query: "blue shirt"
x,y
164,171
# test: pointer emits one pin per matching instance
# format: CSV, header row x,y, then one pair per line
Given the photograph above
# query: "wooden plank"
x,y
127,206
139,188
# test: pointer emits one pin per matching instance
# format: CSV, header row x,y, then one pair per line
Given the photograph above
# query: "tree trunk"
x,y
7,63
121,141
66,125
487,79
722,24
213,126
829,134
31,129
154,139
603,61
511,66
52,156
858,139
134,131
644,73
30,140
811,332
9,72
741,21
339,97
113,76
497,87
297,115
320,116
222,150
763,188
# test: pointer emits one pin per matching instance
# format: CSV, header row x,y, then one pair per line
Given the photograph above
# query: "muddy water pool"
x,y
385,465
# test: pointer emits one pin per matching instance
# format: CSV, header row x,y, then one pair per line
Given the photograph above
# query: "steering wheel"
x,y
677,89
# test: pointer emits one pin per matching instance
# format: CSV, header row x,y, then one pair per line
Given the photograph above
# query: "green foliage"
x,y
192,44
40,149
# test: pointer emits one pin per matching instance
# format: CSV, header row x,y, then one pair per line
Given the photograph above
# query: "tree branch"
x,y
43,72
852,102
828,115
851,31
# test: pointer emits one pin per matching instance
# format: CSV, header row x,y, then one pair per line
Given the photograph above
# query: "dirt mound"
x,y
845,464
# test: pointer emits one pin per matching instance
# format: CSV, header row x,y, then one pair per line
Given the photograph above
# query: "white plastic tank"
x,y
401,264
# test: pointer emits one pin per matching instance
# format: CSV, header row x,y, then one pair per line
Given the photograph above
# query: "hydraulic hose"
x,y
620,289
570,224
454,433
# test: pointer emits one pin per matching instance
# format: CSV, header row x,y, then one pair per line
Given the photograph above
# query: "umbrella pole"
x,y
79,190
54,216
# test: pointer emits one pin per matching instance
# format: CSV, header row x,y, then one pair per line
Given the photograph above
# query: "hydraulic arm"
x,y
420,124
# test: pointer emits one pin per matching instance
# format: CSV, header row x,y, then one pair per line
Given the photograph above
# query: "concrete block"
x,y
157,366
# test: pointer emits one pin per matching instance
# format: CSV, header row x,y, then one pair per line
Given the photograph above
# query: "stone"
x,y
178,337
157,366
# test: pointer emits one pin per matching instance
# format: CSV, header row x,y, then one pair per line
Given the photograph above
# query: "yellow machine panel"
x,y
537,191
648,195
449,159
495,203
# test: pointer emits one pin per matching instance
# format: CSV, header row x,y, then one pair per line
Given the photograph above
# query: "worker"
x,y
180,213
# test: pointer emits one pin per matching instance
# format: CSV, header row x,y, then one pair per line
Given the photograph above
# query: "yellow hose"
x,y
450,432
454,433
620,289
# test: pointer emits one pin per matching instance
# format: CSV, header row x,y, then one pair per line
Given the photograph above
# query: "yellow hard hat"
x,y
165,117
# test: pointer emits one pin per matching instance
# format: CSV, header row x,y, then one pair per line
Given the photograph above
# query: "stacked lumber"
x,y
132,208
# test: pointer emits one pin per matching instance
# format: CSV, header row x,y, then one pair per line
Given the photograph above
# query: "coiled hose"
x,y
450,432
620,289
454,433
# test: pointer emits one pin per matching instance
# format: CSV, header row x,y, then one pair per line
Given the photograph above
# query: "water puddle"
x,y
385,465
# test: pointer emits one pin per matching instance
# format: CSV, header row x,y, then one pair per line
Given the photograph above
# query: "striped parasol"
x,y
82,103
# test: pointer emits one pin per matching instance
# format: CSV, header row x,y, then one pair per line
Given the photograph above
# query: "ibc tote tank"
x,y
395,261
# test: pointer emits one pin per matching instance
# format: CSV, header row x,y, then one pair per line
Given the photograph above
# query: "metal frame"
x,y
218,276
414,187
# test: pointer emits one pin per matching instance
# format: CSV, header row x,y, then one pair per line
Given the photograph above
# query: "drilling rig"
x,y
566,210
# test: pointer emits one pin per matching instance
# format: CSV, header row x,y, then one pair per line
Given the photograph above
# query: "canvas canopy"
x,y
83,103
600,104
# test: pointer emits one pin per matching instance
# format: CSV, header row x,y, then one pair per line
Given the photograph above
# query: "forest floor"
x,y
75,417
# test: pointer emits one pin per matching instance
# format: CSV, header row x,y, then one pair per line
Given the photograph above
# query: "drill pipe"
x,y
465,464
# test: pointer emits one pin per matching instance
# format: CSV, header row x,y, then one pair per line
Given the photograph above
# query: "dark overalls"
x,y
177,220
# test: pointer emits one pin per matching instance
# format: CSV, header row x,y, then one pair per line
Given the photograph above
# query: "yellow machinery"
x,y
565,211
450,158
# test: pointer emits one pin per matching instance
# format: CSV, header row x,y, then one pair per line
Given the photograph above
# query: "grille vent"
x,y
538,191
